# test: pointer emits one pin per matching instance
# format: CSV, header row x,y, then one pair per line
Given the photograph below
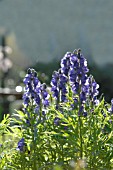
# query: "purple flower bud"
x,y
30,81
65,63
93,90
111,108
21,145
57,121
82,97
58,84
28,122
81,109
85,114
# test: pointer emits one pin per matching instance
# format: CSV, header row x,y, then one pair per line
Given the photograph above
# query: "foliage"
x,y
64,126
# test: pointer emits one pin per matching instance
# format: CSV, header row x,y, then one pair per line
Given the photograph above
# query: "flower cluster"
x,y
31,82
74,73
78,77
65,63
36,101
35,92
58,84
93,90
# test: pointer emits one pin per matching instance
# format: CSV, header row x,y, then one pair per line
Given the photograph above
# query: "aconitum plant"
x,y
65,121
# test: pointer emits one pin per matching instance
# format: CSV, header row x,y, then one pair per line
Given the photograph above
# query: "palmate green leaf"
x,y
65,135
50,133
4,125
59,114
100,106
57,167
5,119
18,118
20,113
110,138
111,161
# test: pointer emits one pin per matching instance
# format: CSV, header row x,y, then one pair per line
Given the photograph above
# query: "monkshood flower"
x,y
54,84
78,77
35,92
44,95
28,122
31,82
21,145
78,72
111,108
57,121
62,85
65,63
93,90
58,84
82,111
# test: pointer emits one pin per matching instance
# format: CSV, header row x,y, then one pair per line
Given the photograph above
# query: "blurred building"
x,y
42,30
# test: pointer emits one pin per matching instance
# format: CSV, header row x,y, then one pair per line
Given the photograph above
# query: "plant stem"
x,y
81,140
34,150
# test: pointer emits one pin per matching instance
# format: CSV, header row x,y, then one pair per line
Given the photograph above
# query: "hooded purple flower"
x,y
45,95
111,108
93,90
30,81
35,92
54,84
21,145
78,75
58,84
65,63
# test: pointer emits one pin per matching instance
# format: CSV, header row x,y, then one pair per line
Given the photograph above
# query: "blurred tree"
x,y
5,66
5,62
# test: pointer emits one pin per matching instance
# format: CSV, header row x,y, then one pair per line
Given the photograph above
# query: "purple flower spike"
x,y
30,81
45,95
54,84
58,84
93,90
35,92
65,63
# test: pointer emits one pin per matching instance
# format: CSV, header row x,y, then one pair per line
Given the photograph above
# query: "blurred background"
x,y
38,33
